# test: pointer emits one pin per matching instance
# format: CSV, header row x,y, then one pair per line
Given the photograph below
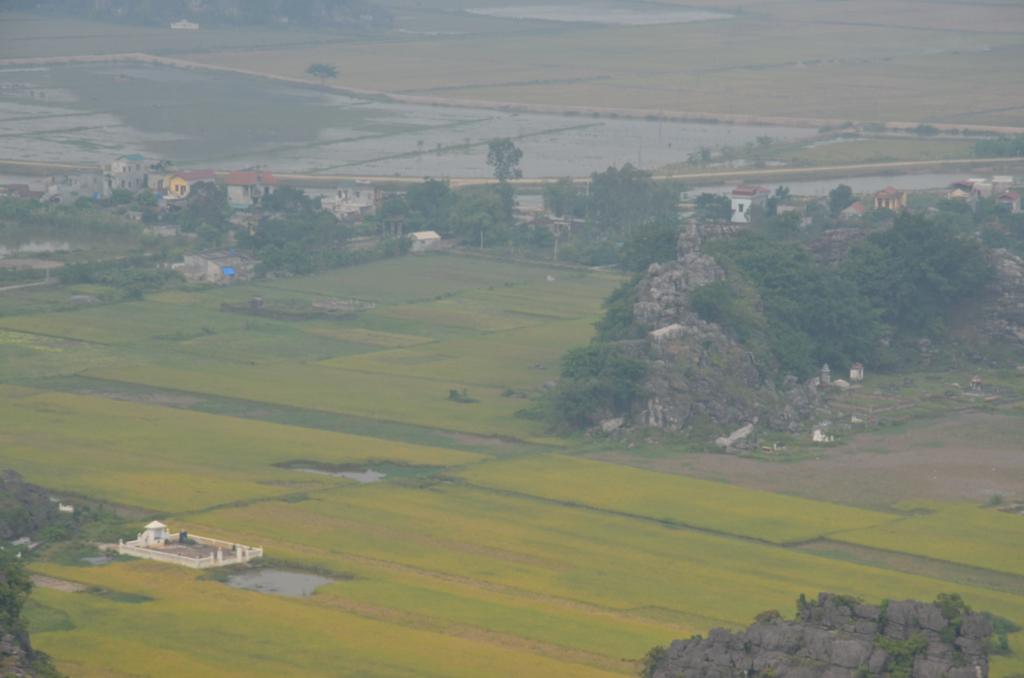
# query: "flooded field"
x,y
92,113
607,13
279,582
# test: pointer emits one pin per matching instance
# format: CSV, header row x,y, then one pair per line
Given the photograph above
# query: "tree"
x,y
621,199
713,207
504,156
564,199
598,381
917,270
322,71
479,214
648,244
839,198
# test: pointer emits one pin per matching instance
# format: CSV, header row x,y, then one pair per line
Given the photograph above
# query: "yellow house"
x,y
179,186
891,199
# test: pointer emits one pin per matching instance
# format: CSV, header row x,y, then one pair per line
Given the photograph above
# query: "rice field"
x,y
672,499
958,533
509,559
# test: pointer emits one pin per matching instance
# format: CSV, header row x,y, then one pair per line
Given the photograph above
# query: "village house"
x,y
246,189
127,173
422,241
24,191
854,211
856,373
217,266
748,203
178,186
353,201
891,199
156,542
67,188
1010,200
184,25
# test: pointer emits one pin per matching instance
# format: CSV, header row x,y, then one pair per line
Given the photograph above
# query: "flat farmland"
x,y
926,61
501,557
274,636
674,500
172,460
556,579
957,533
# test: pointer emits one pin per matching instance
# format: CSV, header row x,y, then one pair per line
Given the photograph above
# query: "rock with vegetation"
x,y
1004,314
700,373
17,657
24,508
840,637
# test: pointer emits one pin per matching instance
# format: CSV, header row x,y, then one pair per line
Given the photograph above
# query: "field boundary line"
x,y
246,401
1014,583
670,524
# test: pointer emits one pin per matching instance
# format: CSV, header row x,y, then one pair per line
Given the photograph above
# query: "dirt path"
x,y
966,457
52,583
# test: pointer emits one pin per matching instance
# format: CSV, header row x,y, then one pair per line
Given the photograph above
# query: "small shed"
x,y
424,240
154,534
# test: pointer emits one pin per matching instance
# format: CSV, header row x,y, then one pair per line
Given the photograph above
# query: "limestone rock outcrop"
x,y
837,637
699,375
1004,314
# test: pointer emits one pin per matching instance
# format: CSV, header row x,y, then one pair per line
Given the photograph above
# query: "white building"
x,y
217,266
352,201
184,25
156,542
856,373
424,240
127,173
67,188
247,189
749,203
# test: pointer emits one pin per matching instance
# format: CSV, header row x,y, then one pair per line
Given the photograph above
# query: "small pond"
x,y
373,472
279,582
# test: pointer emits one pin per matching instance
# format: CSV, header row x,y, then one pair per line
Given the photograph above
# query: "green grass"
x,y
511,560
174,460
959,533
672,499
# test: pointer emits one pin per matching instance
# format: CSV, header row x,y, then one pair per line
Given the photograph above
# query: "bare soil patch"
x,y
965,457
55,584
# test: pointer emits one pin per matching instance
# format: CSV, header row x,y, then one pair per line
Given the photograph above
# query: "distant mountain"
x,y
341,14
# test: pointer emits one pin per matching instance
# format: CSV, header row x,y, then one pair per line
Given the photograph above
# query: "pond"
x,y
606,13
279,582
373,472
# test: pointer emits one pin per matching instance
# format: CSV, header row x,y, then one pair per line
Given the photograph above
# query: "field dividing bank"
x,y
958,533
259,635
420,402
175,460
408,546
674,500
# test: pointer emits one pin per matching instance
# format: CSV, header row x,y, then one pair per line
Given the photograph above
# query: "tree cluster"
x,y
902,281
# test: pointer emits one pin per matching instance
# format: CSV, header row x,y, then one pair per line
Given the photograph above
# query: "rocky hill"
x,y
24,508
699,372
839,637
17,657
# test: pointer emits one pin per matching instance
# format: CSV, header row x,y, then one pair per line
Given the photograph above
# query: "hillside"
x,y
840,637
734,332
